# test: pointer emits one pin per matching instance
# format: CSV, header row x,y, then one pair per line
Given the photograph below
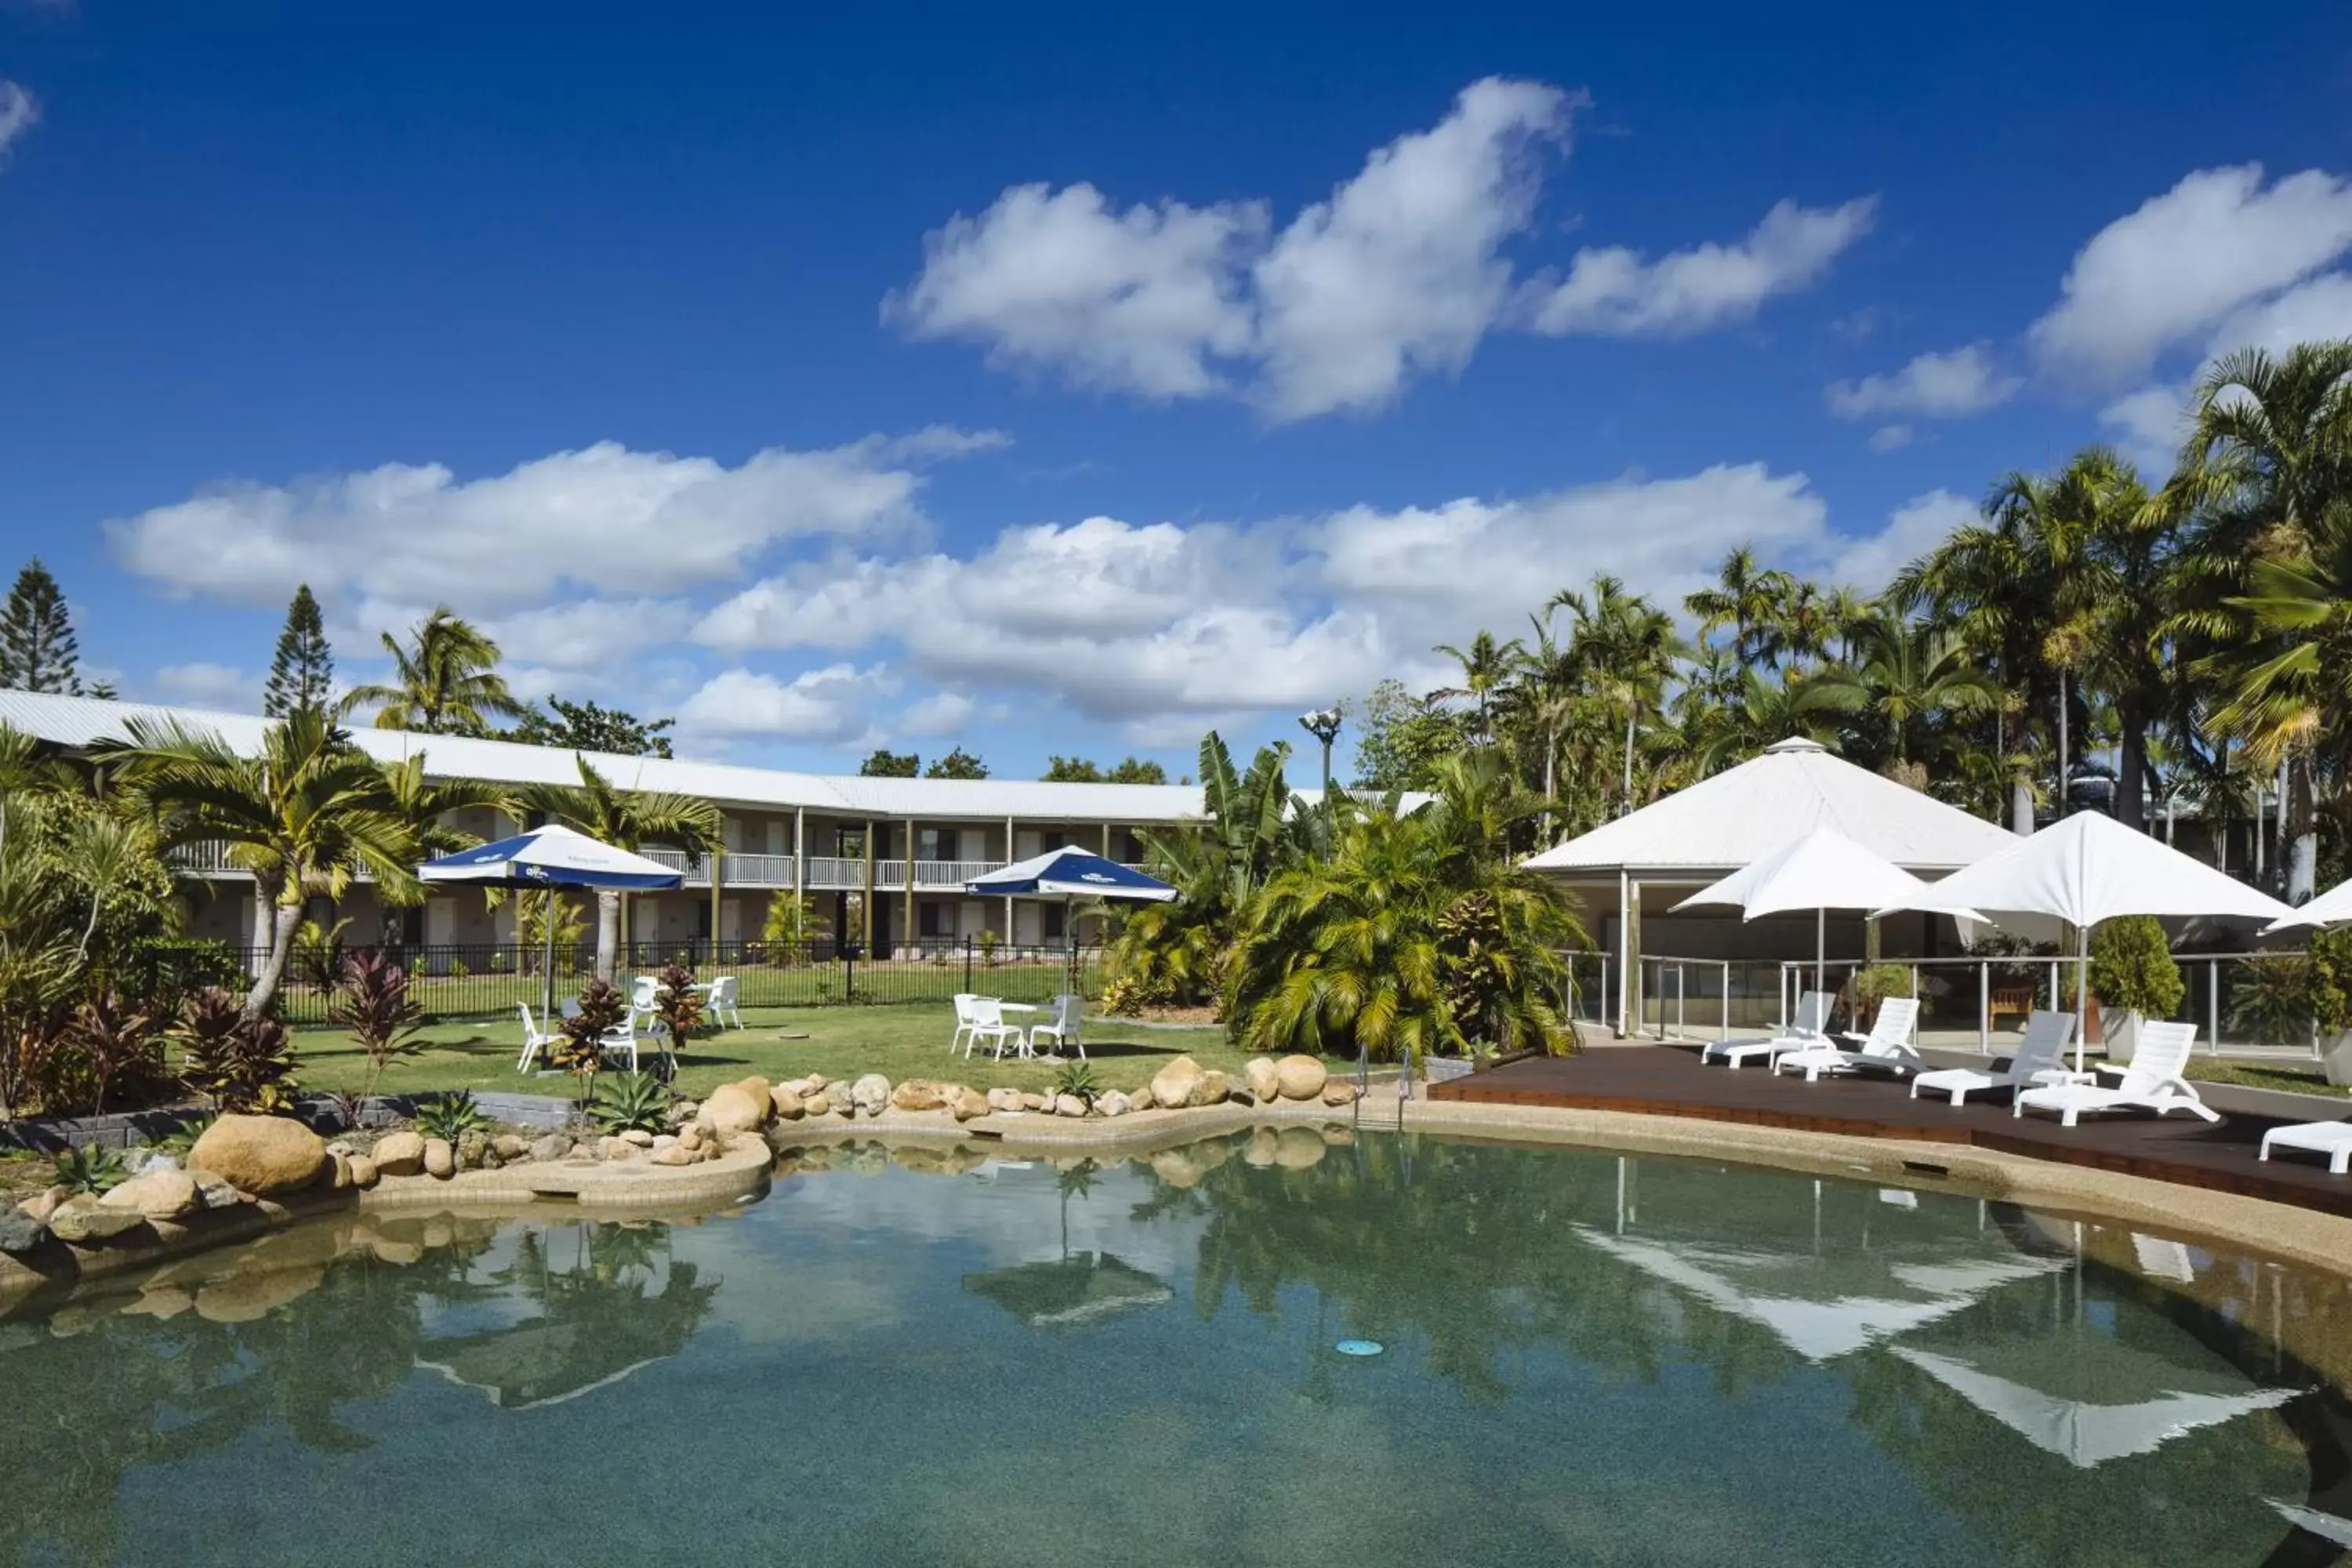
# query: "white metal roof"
x,y
78,722
1764,804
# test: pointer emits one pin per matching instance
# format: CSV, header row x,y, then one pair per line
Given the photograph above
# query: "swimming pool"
x,y
947,1357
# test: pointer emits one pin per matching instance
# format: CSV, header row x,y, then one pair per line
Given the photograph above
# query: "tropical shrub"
x,y
631,1101
319,953
1130,995
373,1004
235,1062
112,1044
2330,978
450,1116
2270,1003
579,1047
785,930
988,939
165,971
1874,984
679,1005
2132,967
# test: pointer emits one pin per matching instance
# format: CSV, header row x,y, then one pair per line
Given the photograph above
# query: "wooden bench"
x,y
2010,1002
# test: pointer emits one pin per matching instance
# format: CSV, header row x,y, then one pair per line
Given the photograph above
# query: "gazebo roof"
x,y
1740,816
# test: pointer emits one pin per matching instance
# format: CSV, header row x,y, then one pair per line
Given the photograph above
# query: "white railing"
x,y
757,870
208,858
836,871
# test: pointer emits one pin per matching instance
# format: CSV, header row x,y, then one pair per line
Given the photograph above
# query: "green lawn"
x,y
898,1042
2295,1077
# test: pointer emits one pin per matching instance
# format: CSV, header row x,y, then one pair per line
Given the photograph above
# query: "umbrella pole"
x,y
2082,993
547,921
1821,943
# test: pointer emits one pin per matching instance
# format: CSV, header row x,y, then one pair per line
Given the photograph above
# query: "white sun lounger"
x,y
2040,1057
1887,1047
2332,1138
1809,1029
2151,1082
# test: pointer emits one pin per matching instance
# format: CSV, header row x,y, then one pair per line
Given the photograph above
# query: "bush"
x,y
2331,982
580,1051
1875,984
236,1064
1130,996
2132,968
168,970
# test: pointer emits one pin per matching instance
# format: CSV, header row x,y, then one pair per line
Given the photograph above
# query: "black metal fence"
x,y
480,980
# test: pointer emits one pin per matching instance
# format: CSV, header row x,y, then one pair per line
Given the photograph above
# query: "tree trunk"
x,y
2021,804
2065,719
273,968
1629,762
2303,851
608,932
1551,781
2131,767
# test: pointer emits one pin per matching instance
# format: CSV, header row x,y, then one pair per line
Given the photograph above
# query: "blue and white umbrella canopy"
x,y
1070,872
551,857
546,858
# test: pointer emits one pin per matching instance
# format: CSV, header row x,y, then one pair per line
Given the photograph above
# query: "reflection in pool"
x,y
951,1358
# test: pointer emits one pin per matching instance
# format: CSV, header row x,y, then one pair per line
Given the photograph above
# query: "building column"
x,y
866,904
1624,950
800,855
1009,938
909,864
717,854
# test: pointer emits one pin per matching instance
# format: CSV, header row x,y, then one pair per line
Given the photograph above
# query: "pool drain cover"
x,y
1359,1347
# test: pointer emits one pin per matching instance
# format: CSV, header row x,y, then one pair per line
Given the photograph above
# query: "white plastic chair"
x,y
722,1003
2040,1058
1886,1048
963,1001
1063,1028
2331,1138
2152,1082
533,1040
988,1025
1808,1029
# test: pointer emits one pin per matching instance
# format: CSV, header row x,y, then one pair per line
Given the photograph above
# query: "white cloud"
x,y
1611,290
2186,261
580,634
205,685
599,519
1398,273
20,112
1939,386
1916,527
2148,426
1892,437
825,704
940,714
2312,311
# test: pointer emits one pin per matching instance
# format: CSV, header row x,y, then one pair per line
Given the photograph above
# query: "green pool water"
x,y
950,1359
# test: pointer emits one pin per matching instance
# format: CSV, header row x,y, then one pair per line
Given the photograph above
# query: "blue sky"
x,y
1075,383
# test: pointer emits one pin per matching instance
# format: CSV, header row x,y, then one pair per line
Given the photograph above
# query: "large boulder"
x,y
969,1103
554,1146
158,1194
510,1146
731,1108
1173,1085
1211,1090
1338,1092
1300,1077
920,1094
755,1086
20,1232
363,1172
440,1159
1264,1082
84,1218
818,1104
787,1102
870,1094
1113,1104
261,1154
1069,1105
474,1151
397,1155
1001,1098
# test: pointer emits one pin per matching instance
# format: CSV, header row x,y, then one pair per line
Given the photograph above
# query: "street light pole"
x,y
1324,725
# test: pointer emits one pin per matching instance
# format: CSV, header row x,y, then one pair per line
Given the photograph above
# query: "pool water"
x,y
936,1357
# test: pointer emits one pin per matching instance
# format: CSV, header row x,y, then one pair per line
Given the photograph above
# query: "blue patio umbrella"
x,y
1070,875
546,858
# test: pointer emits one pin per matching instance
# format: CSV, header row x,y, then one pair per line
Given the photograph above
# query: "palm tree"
x,y
1744,598
303,816
445,681
1486,665
2266,476
627,820
1627,648
1766,709
1913,680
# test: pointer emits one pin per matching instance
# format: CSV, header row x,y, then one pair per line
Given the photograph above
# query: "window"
x,y
935,920
1053,917
938,844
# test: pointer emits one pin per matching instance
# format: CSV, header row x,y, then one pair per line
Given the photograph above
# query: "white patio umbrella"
x,y
1824,870
2332,907
2089,868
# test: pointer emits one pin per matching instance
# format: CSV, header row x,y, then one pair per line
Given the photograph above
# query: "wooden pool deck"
x,y
1669,1080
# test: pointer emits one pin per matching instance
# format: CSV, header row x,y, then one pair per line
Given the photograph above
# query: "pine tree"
x,y
302,673
37,640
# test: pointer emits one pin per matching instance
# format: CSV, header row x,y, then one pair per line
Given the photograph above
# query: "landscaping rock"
x,y
398,1154
637,1136
344,1147
690,1140
261,1154
20,1232
818,1104
1264,1082
45,1204
473,1151
757,1087
1299,1077
788,1104
440,1159
615,1149
1036,1103
673,1155
919,1094
216,1193
731,1108
363,1172
1338,1092
1211,1090
663,1141
680,1113
1112,1104
151,1161
1069,1105
84,1218
554,1146
1173,1085
507,1146
339,1167
159,1195
1005,1100
870,1094
969,1103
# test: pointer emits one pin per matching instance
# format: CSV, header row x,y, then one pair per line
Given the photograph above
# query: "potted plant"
x,y
2330,983
1874,984
2134,978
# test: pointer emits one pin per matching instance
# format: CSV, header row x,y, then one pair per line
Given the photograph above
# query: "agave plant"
x,y
90,1169
632,1102
1079,1079
450,1116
